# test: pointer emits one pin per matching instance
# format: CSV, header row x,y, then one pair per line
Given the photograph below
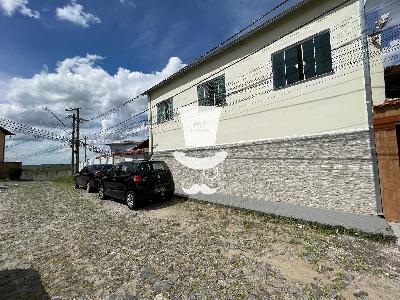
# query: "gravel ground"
x,y
60,243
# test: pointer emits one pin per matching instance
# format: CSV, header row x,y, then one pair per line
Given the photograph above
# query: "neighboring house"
x,y
295,121
3,134
392,82
121,151
7,168
140,151
122,147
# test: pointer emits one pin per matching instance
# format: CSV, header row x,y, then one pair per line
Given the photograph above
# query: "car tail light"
x,y
137,178
98,174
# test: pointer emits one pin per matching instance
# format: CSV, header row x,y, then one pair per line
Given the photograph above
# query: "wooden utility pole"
x,y
77,141
85,148
73,145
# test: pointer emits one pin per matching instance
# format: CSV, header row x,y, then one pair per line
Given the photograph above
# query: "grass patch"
x,y
324,229
67,180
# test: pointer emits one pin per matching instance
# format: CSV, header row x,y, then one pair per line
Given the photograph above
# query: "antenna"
x,y
379,25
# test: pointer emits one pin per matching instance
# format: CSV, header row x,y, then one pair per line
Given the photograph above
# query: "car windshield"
x,y
101,167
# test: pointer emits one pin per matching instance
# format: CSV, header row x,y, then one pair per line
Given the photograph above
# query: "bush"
x,y
15,173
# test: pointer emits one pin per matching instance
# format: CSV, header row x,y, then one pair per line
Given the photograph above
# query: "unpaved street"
x,y
61,243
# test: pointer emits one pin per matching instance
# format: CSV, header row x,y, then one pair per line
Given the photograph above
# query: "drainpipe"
x,y
151,126
369,103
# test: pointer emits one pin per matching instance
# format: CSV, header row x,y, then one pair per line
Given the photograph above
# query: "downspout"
x,y
151,126
369,103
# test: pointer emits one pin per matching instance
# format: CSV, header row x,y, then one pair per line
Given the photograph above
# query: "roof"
x,y
6,131
222,47
126,143
389,103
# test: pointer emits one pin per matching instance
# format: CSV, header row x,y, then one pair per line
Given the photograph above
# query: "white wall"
x,y
333,102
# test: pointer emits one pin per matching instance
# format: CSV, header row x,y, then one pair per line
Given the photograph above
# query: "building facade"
x,y
294,119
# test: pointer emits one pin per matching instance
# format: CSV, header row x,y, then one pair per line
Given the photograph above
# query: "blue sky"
x,y
138,35
98,54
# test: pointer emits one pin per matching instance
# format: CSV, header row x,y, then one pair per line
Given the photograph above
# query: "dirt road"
x,y
61,243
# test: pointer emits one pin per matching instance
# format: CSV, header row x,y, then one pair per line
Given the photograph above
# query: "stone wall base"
x,y
330,171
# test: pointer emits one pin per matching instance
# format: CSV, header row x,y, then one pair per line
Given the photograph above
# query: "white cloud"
x,y
80,81
74,13
128,2
10,7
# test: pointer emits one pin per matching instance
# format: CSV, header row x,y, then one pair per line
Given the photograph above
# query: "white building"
x,y
295,121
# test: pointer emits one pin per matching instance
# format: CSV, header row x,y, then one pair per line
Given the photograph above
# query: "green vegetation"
x,y
326,230
63,180
45,168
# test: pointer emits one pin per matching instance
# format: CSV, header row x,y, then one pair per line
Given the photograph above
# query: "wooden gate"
x,y
387,133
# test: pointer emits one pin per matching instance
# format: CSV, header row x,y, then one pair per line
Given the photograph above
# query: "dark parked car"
x,y
89,177
137,181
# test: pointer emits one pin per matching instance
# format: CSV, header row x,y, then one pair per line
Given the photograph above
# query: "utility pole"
x,y
77,140
85,149
369,104
73,145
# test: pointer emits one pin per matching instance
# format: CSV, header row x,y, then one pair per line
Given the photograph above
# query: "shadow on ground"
x,y
155,204
21,284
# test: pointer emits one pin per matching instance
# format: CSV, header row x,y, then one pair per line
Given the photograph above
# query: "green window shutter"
x,y
323,53
278,69
160,112
170,108
308,58
291,59
219,90
202,94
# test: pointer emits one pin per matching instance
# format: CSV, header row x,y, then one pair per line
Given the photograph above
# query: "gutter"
x,y
151,127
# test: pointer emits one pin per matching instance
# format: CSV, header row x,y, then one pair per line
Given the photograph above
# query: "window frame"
x,y
212,80
311,37
170,115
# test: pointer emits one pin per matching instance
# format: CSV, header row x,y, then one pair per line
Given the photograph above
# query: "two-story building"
x,y
295,118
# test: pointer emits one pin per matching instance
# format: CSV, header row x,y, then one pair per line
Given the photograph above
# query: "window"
x,y
165,111
144,168
212,93
308,59
126,168
116,170
159,166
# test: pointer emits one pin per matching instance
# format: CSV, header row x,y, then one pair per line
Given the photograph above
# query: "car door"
x,y
83,178
109,179
145,187
120,180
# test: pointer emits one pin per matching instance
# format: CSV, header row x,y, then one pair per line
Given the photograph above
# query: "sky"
x,y
98,54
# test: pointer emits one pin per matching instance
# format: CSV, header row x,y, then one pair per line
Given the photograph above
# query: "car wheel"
x,y
131,200
75,184
88,188
102,196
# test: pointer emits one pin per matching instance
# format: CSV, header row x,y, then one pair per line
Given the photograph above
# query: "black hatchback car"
x,y
89,177
137,181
